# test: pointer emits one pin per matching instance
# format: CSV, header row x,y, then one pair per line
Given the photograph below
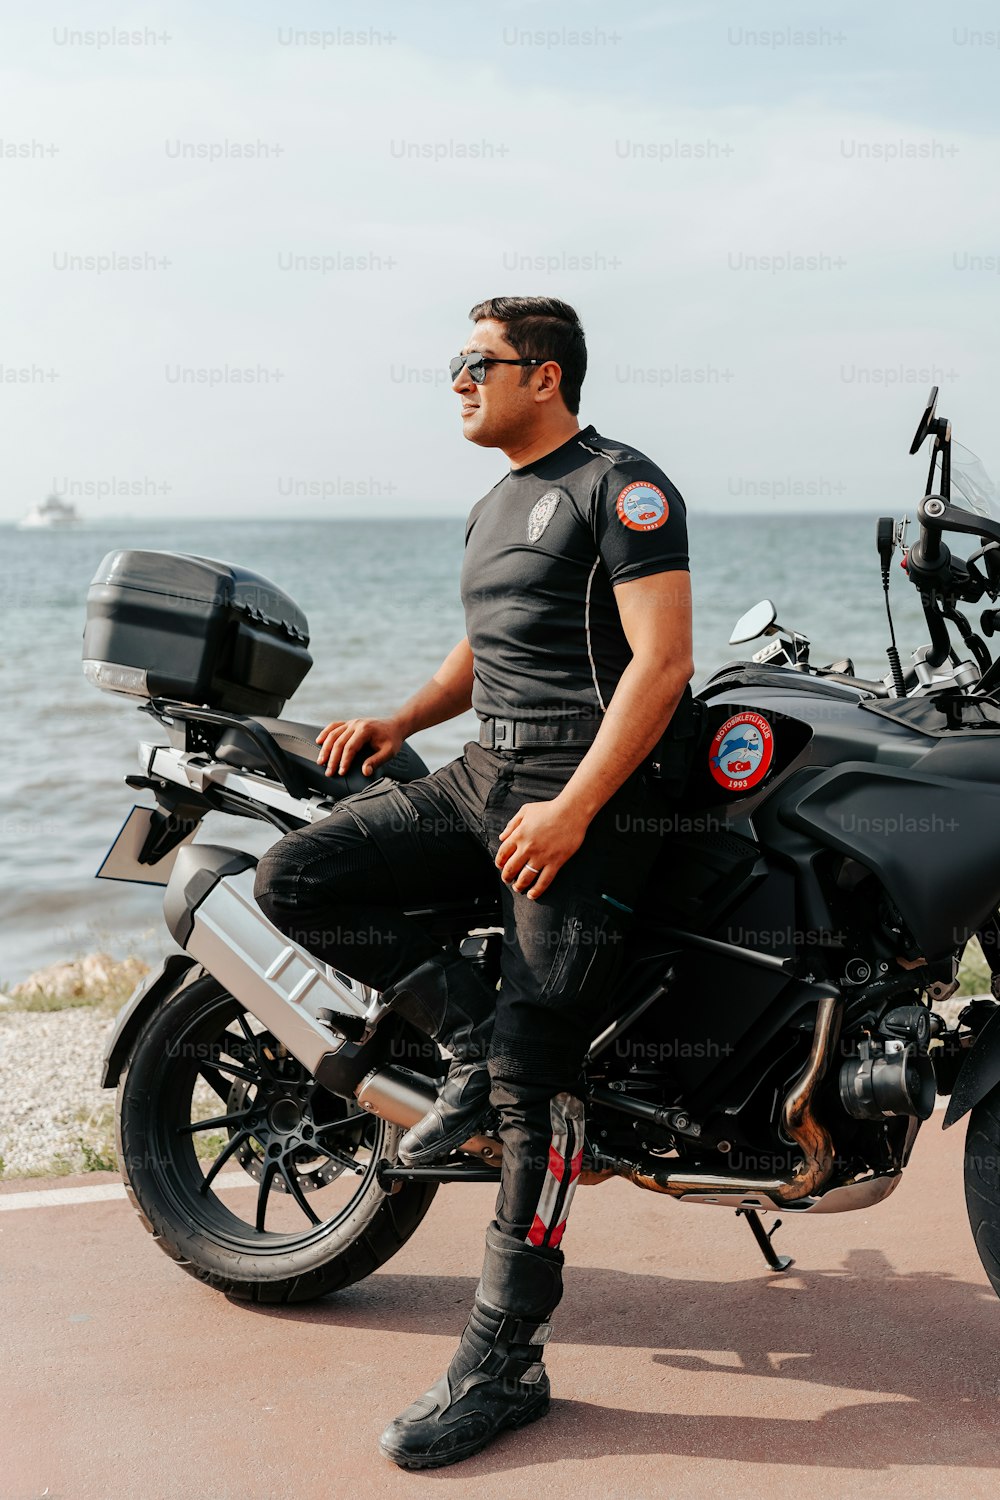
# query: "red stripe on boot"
x,y
536,1234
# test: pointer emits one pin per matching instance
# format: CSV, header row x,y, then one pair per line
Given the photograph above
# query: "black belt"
x,y
512,734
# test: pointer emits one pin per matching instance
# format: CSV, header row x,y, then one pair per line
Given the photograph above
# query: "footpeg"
x,y
389,1174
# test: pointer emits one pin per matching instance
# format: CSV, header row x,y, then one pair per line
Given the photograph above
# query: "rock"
x,y
98,976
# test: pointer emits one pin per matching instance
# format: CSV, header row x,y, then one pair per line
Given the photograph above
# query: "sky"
x,y
239,244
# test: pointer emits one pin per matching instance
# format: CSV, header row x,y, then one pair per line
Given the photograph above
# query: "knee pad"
x,y
298,872
533,1044
277,869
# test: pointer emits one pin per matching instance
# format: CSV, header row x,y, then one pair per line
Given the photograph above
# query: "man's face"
x,y
499,412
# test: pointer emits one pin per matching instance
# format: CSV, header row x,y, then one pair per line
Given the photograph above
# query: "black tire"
x,y
982,1182
180,1049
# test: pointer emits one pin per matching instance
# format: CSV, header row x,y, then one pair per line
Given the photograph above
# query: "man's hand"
x,y
537,842
342,739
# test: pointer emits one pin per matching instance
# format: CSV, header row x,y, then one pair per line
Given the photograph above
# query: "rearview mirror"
x,y
754,623
924,425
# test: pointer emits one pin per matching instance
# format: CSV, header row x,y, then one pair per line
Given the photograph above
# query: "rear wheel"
x,y
247,1173
982,1182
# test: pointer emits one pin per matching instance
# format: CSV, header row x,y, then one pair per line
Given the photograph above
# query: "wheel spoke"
x,y
267,1176
253,1052
215,1081
351,1121
219,1065
344,1161
213,1124
295,1188
220,1161
244,1025
237,1070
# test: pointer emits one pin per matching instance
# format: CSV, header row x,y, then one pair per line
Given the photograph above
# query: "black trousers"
x,y
341,888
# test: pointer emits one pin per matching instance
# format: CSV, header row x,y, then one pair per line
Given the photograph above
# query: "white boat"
x,y
51,514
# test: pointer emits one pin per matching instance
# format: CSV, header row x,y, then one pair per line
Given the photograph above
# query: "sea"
x,y
383,609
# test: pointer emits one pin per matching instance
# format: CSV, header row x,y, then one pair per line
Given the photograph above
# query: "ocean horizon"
x,y
382,618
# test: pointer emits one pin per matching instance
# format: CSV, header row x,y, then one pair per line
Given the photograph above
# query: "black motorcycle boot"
x,y
446,998
496,1378
459,1111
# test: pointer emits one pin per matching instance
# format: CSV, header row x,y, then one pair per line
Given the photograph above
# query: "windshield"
x,y
970,479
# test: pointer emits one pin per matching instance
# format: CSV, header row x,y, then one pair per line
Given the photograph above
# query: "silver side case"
x,y
278,982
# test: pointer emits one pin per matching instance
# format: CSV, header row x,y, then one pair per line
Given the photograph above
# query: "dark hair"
x,y
542,328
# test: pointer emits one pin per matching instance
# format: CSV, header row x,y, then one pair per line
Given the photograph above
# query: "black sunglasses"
x,y
476,365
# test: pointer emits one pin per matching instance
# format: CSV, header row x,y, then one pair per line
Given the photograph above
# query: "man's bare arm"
x,y
656,618
446,695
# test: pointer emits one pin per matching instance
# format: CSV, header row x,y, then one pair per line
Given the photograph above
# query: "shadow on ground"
x,y
929,1342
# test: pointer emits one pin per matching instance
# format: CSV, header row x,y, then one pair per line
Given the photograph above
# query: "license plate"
x,y
122,859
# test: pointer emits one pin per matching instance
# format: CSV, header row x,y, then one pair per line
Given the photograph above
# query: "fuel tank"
x,y
806,722
797,766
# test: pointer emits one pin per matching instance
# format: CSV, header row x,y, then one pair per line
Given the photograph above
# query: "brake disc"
x,y
312,1169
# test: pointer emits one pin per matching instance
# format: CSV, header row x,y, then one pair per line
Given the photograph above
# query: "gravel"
x,y
50,1065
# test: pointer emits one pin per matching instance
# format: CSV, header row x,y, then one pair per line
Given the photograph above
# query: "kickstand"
x,y
763,1237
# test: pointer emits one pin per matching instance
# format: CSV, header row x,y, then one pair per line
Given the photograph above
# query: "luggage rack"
x,y
285,772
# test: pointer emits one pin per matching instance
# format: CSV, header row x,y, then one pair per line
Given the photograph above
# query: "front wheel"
x,y
247,1173
982,1182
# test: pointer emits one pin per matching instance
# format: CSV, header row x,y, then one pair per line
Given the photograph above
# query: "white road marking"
x,y
99,1193
106,1191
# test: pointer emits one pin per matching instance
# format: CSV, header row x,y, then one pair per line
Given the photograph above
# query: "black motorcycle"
x,y
830,846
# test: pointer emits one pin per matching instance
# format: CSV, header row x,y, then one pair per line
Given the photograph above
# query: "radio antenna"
x,y
885,538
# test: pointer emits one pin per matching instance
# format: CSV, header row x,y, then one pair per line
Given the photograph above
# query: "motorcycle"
x,y
830,847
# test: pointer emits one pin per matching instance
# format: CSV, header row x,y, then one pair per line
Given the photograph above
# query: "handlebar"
x,y
940,640
943,579
930,547
928,562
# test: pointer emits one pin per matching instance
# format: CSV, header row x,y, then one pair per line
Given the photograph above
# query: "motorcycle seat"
x,y
296,742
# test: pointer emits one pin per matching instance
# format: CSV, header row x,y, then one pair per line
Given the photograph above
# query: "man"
x,y
577,599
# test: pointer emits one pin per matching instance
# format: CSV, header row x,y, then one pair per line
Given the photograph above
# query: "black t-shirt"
x,y
543,551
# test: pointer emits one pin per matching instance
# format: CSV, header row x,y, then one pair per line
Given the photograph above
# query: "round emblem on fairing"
x,y
541,514
642,507
741,752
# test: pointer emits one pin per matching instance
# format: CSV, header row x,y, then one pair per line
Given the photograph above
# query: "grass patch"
x,y
98,1156
97,1139
974,971
59,1166
210,1144
48,1000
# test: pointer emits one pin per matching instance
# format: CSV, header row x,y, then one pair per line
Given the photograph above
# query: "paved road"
x,y
681,1367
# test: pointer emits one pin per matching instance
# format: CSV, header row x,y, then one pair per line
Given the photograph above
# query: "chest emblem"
x,y
642,506
541,514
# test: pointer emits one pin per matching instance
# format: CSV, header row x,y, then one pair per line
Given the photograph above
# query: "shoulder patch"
x,y
642,506
541,514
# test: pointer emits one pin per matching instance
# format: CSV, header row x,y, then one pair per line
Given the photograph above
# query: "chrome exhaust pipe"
x,y
798,1121
400,1099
